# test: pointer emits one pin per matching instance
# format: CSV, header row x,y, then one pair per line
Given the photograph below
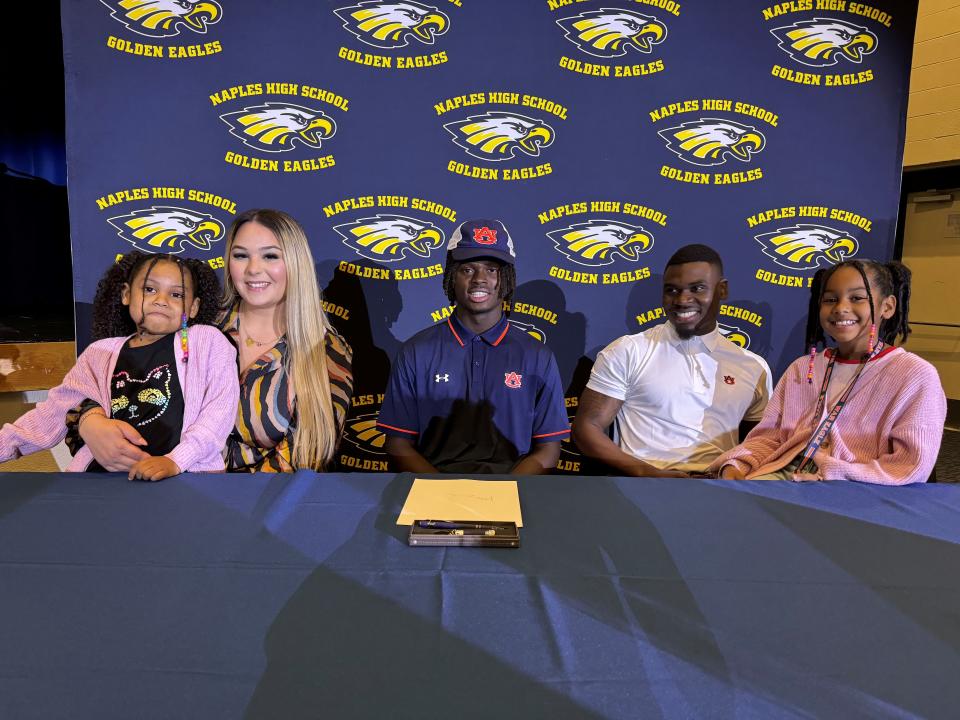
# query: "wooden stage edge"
x,y
35,366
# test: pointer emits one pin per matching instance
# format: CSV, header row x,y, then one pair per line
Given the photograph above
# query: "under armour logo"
x,y
512,380
441,378
485,235
729,379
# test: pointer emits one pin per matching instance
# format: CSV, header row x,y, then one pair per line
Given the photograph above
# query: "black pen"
x,y
481,532
459,525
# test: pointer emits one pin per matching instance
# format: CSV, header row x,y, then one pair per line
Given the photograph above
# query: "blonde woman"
x,y
295,378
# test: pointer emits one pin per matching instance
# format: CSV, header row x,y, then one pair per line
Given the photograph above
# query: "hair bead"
x,y
183,337
813,357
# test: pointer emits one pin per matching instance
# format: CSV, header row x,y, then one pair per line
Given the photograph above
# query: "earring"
x,y
813,357
873,338
183,337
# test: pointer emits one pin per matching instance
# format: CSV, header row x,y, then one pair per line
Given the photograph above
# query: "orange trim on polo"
x,y
559,432
409,432
497,341
450,325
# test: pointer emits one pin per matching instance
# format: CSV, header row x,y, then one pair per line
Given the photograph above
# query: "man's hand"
x,y
112,442
153,469
657,472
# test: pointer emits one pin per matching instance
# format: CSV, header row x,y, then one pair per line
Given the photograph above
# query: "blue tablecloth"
x,y
297,596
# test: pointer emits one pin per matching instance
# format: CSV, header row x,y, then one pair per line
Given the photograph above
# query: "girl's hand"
x,y
805,477
153,469
731,472
112,442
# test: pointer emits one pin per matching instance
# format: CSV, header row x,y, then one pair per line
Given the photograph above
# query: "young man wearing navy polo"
x,y
475,394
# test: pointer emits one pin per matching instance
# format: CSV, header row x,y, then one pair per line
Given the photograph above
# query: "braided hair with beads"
x,y
891,278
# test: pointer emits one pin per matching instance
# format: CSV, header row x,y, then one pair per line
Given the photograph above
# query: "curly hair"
x,y
111,318
506,287
892,278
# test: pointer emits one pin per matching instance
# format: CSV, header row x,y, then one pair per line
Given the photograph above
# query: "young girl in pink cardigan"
x,y
159,367
865,410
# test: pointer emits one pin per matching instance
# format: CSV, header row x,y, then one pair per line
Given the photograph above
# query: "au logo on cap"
x,y
485,235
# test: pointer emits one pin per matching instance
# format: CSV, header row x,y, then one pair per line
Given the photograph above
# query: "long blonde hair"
x,y
317,433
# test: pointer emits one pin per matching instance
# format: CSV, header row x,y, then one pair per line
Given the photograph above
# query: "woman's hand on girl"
x,y
112,442
153,469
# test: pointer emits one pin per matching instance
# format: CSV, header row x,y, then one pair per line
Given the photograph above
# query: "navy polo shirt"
x,y
474,403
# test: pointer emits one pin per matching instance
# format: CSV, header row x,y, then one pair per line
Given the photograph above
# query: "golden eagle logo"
x,y
168,229
600,242
802,247
531,330
362,432
734,335
499,135
823,41
387,238
609,33
393,24
711,141
163,18
276,126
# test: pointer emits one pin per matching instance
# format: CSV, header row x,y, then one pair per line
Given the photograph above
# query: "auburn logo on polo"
x,y
393,24
600,242
807,246
388,238
712,141
825,41
734,335
530,329
610,33
513,380
168,229
163,18
278,126
498,135
362,432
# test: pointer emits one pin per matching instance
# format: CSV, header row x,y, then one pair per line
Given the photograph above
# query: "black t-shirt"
x,y
145,392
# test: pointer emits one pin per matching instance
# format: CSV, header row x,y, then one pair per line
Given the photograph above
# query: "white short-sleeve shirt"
x,y
683,399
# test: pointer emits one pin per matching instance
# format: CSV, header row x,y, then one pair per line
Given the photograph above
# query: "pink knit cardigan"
x,y
888,433
210,397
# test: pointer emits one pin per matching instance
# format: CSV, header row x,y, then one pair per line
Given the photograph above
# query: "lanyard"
x,y
823,429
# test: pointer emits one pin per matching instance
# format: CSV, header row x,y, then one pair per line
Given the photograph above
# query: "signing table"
x,y
216,596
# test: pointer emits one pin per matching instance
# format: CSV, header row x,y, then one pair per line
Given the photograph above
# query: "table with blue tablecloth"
x,y
297,596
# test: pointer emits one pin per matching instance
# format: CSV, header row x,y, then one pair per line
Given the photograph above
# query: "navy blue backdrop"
x,y
604,134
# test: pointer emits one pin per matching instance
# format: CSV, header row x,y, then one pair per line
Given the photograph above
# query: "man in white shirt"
x,y
678,391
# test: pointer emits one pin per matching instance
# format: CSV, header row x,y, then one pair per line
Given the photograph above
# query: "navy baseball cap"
x,y
481,239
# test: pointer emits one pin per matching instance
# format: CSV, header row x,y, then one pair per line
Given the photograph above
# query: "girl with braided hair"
x,y
863,410
157,365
